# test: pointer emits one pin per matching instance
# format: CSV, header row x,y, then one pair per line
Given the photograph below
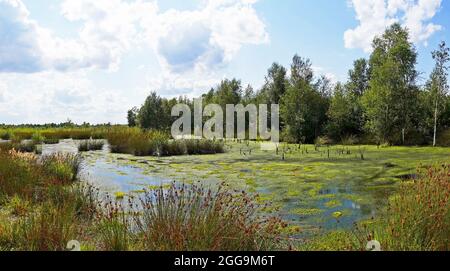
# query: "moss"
x,y
334,241
333,204
306,211
119,195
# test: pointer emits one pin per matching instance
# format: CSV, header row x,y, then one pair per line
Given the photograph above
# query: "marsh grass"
x,y
196,219
5,135
47,206
62,168
418,217
189,218
90,145
155,143
37,138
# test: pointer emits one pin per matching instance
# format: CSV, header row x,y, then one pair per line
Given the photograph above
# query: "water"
x,y
124,173
105,174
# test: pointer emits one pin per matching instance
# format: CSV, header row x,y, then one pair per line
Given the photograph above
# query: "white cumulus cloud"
x,y
375,16
201,39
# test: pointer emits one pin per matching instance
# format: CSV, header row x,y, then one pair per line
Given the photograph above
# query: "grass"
x,y
189,218
153,143
44,205
194,218
54,134
418,217
90,145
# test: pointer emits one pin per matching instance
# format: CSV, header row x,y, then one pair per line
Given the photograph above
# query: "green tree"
x,y
342,120
391,100
132,117
359,77
437,86
275,85
304,105
228,92
249,95
301,70
356,87
154,114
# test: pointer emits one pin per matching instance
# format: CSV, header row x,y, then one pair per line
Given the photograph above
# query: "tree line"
x,y
381,102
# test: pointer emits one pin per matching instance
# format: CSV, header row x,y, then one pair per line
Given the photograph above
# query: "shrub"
x,y
335,241
444,138
50,141
323,141
18,206
174,147
203,147
20,174
136,142
349,140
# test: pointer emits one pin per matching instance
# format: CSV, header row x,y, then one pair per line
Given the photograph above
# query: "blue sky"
x,y
93,60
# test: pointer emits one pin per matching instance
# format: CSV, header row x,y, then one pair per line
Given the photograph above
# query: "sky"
x,y
91,61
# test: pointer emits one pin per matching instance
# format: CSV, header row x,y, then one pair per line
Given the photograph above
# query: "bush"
x,y
444,138
131,141
142,143
349,140
203,146
323,141
51,141
114,228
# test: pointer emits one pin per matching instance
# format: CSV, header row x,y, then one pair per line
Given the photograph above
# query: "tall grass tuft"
x,y
418,217
5,135
49,208
90,145
62,168
193,218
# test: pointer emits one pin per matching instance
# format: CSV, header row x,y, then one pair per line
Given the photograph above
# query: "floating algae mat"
x,y
307,188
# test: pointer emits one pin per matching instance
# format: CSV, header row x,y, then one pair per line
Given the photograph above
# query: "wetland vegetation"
x,y
363,160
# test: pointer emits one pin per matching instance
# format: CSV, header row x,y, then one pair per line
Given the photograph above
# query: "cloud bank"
x,y
203,39
375,16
